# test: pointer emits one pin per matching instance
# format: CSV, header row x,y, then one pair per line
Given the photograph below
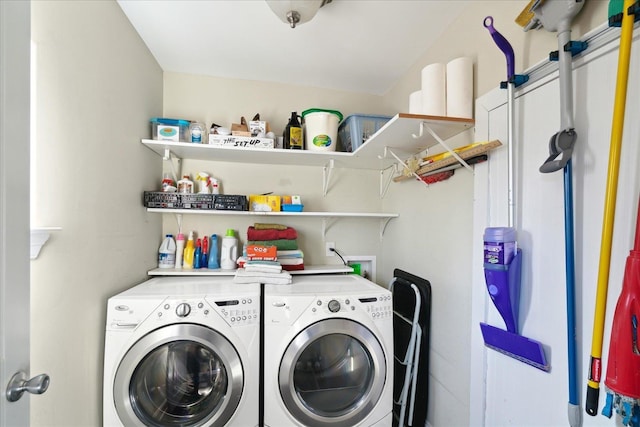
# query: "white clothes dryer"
x,y
328,353
183,351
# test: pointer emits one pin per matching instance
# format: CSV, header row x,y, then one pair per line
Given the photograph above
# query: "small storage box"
x,y
357,128
264,203
228,202
163,129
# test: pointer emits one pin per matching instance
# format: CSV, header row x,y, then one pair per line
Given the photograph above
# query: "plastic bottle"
x,y
167,253
293,133
185,185
196,132
229,252
197,255
179,250
189,252
213,253
167,182
215,186
205,252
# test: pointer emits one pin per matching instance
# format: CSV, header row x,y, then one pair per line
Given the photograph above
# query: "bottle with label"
x,y
196,132
189,253
292,137
229,251
167,253
179,250
197,256
213,253
167,183
185,185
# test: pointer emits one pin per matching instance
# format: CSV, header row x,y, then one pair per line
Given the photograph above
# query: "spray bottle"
x,y
189,253
205,252
213,253
197,256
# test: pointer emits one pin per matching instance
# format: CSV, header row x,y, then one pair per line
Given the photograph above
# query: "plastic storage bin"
x,y
357,128
163,129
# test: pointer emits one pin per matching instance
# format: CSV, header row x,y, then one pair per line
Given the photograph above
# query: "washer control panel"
x,y
378,306
235,311
239,311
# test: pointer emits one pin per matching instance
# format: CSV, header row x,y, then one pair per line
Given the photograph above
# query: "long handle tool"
x,y
503,278
556,16
595,368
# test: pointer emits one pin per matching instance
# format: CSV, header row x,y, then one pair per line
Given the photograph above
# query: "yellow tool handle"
x,y
617,128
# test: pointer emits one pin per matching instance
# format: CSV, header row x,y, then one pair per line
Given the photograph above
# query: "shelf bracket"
x,y
387,150
384,186
383,226
327,223
170,157
424,125
326,176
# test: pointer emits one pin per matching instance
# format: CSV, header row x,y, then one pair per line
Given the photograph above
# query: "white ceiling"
x,y
354,45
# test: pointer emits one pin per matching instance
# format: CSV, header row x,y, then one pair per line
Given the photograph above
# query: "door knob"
x,y
19,384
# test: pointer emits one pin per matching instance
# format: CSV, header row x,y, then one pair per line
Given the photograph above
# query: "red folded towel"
x,y
288,233
293,267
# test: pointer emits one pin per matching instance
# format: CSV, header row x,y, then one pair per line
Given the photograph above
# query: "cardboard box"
x,y
260,203
240,141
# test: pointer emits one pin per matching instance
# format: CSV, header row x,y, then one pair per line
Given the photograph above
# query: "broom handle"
x,y
617,126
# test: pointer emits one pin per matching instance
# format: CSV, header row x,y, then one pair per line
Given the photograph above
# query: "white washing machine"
x,y
328,353
183,351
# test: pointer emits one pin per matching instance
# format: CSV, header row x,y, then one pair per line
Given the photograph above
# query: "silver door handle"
x,y
19,384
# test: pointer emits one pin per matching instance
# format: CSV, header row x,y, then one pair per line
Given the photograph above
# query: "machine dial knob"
x,y
183,309
334,306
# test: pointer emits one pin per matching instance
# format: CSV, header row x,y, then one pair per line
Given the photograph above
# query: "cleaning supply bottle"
x,y
167,253
213,253
189,253
293,133
179,250
229,253
205,252
197,255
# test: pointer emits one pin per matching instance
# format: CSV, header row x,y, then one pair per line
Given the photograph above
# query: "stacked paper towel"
x,y
447,90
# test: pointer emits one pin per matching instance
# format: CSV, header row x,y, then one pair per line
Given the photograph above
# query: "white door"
x,y
15,40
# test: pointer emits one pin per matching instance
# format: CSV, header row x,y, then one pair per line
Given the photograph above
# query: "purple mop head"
x,y
513,345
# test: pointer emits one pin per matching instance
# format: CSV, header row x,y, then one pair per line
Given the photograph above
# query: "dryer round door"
x,y
332,374
179,375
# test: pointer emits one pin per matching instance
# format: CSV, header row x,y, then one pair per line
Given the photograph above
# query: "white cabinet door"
x,y
15,41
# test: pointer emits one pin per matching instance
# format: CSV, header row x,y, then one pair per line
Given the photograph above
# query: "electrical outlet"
x,y
328,246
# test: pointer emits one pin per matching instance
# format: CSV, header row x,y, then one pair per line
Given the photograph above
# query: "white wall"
x,y
97,86
433,237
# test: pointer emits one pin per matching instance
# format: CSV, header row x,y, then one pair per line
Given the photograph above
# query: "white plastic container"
x,y
321,129
229,251
179,250
167,253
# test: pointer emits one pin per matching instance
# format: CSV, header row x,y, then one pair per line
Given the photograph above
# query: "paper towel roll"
x,y
460,88
434,90
415,102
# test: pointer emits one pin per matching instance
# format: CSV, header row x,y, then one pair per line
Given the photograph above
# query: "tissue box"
x,y
260,203
239,141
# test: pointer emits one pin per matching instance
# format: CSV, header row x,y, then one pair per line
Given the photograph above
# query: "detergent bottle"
x,y
197,256
189,253
229,252
167,253
179,250
213,253
293,133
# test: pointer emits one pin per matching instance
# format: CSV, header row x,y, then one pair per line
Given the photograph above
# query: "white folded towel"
x,y
291,261
244,276
263,268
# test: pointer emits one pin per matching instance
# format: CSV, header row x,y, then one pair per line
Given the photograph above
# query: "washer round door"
x,y
179,375
332,374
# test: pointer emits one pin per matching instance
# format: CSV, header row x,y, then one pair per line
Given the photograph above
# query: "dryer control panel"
x,y
377,307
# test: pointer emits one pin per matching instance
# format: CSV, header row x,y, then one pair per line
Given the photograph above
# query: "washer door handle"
x,y
278,304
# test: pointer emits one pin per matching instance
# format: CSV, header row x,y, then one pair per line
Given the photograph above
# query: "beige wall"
x,y
433,236
97,85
